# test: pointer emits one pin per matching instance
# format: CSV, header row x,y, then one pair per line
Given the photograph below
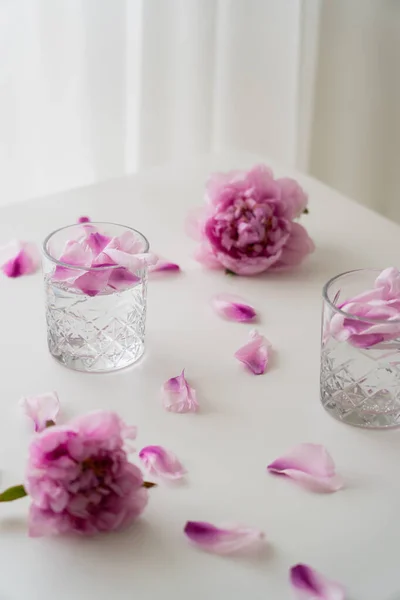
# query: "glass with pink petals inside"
x,y
95,277
360,357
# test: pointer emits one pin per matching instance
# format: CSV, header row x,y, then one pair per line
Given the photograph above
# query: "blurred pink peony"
x,y
79,478
248,224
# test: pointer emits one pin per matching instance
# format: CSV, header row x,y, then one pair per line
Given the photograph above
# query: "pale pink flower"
x,y
311,466
222,540
309,584
79,478
42,409
248,224
178,396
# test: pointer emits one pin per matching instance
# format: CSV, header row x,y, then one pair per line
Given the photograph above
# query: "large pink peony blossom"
x,y
79,478
248,225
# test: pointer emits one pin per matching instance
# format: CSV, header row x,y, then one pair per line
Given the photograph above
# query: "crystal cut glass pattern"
x,y
359,386
99,333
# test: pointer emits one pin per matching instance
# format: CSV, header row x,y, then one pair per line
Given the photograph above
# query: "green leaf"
x,y
13,493
148,484
306,211
229,272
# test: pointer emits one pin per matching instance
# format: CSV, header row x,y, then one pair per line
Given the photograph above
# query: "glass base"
x,y
362,418
101,365
361,387
96,334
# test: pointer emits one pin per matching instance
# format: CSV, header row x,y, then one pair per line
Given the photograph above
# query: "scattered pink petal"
x,y
255,354
163,266
222,540
312,585
160,462
20,258
310,465
42,409
84,219
178,395
233,308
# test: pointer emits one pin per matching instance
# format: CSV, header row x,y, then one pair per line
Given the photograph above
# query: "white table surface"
x,y
244,423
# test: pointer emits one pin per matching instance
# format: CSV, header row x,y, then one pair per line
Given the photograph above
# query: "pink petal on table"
x,y
222,540
23,258
93,282
178,395
310,465
255,354
122,279
162,266
42,409
233,308
160,462
312,585
84,219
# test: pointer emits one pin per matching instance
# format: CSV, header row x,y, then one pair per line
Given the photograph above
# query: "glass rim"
x,y
346,314
61,263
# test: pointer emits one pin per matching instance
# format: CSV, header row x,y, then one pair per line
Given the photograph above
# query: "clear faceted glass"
x,y
359,386
97,333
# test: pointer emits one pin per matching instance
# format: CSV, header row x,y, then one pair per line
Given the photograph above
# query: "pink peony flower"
x,y
79,478
248,225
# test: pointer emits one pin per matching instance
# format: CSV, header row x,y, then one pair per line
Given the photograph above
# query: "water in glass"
x,y
98,333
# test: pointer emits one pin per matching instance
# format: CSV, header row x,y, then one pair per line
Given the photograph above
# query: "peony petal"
x,y
74,254
162,266
41,409
84,219
205,256
19,258
293,196
255,354
194,223
93,282
122,279
178,396
233,308
310,465
222,540
160,462
312,585
97,242
132,262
